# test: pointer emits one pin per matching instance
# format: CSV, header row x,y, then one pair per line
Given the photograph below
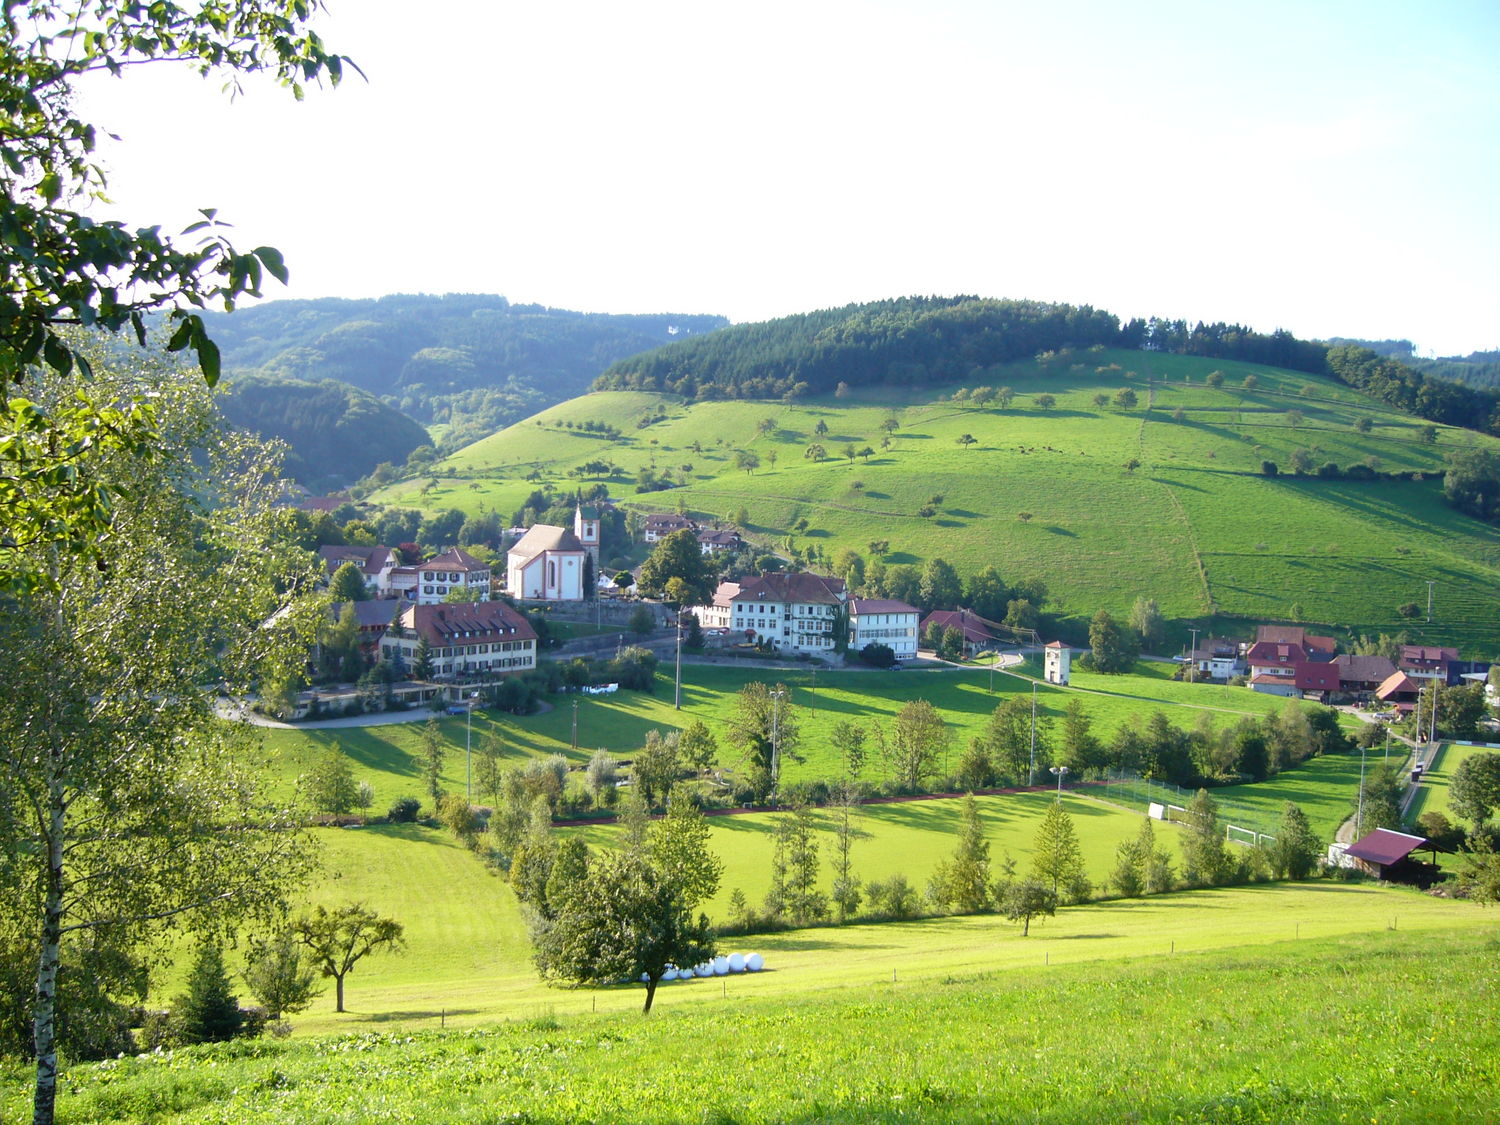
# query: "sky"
x,y
1329,168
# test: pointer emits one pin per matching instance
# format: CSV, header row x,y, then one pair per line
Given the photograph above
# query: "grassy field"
x,y
385,755
959,1020
1432,796
1194,526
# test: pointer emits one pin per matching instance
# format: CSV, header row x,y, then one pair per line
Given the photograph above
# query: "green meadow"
x,y
1320,1003
1194,525
386,755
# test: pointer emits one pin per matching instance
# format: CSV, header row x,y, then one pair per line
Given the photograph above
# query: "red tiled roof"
x,y
454,559
799,587
1266,653
466,623
1397,683
1316,676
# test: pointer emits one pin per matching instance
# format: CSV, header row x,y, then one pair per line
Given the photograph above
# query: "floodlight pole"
x,y
1060,772
1430,583
575,724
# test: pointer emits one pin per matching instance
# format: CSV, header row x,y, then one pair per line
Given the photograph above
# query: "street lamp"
x,y
677,697
1060,772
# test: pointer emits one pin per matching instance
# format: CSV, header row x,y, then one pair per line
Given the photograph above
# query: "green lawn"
x,y
1432,795
1195,525
1315,1003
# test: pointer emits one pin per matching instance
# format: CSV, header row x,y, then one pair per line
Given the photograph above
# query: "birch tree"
x,y
128,809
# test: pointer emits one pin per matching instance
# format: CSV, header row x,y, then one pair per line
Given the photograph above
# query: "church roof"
x,y
544,537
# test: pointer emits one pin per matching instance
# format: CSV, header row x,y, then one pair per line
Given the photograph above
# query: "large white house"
x,y
884,621
452,570
793,612
462,638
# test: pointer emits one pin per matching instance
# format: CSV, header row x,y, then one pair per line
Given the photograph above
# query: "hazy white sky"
x,y
1330,168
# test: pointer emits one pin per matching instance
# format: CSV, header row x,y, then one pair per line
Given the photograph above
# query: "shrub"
x,y
878,655
894,898
404,811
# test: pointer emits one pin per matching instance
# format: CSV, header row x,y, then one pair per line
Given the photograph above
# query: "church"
x,y
555,563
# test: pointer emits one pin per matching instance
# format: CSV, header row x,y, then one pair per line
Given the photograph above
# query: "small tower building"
x,y
586,527
1057,661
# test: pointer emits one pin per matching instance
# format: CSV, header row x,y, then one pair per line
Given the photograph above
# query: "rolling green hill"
x,y
1051,492
468,362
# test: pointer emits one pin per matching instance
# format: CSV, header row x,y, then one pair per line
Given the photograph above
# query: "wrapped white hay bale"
x,y
755,963
736,962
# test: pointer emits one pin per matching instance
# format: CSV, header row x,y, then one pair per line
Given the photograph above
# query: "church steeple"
x,y
586,527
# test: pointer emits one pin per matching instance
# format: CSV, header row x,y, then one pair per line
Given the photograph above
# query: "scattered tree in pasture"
x,y
764,727
430,757
915,744
339,939
278,976
1216,379
1364,424
1025,899
821,428
1056,857
849,740
1295,852
1101,400
329,786
1045,401
794,890
1126,398
207,1012
746,460
1205,856
1251,382
815,452
1111,651
845,806
1146,620
962,882
966,440
657,765
1132,465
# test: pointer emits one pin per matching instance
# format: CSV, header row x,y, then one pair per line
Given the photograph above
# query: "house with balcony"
x,y
884,621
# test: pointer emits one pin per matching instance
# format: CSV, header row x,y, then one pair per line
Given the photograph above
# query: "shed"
x,y
1387,855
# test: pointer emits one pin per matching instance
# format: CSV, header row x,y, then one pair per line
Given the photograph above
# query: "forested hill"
x,y
473,362
337,433
925,340
909,340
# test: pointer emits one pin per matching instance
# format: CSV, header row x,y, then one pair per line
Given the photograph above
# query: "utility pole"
x,y
1430,583
1359,815
1031,772
468,744
1193,657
